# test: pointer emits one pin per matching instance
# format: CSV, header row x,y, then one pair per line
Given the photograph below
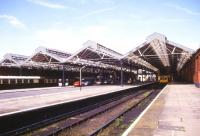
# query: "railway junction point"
x,y
174,112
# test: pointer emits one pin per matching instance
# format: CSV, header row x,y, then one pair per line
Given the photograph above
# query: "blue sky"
x,y
118,24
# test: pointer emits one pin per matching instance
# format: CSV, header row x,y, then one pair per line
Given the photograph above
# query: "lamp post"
x,y
81,76
137,71
121,64
63,75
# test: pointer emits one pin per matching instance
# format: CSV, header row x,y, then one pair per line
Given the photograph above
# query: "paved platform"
x,y
16,93
175,112
11,103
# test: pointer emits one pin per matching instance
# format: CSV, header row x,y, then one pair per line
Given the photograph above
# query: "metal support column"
x,y
137,74
63,75
142,75
122,74
132,74
80,80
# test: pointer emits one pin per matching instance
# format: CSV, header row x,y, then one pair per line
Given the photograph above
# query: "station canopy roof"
x,y
160,54
47,58
157,53
13,59
95,54
47,55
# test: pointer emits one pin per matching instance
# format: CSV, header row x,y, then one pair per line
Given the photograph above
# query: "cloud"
x,y
92,13
136,16
160,20
97,1
70,39
154,20
183,9
13,21
105,1
46,3
95,32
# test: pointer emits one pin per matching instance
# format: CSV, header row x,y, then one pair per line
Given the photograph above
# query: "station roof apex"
x,y
156,35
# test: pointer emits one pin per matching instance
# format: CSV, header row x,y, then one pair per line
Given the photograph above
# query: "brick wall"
x,y
191,70
196,76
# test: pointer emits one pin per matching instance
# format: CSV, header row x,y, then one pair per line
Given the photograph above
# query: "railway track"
x,y
93,121
94,125
118,124
71,118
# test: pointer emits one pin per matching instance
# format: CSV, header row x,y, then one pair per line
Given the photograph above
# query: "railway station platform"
x,y
26,100
174,112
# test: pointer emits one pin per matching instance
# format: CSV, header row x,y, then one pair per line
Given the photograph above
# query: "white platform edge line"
x,y
41,95
27,89
142,114
31,96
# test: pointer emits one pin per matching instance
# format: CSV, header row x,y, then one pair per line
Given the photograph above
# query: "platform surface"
x,y
28,99
175,112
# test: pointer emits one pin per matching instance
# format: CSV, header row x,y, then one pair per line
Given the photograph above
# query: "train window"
x,y
31,81
45,81
19,81
1,82
12,81
5,81
26,81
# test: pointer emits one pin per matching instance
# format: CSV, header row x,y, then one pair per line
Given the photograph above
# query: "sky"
x,y
120,25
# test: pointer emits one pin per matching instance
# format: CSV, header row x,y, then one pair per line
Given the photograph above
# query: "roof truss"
x,y
161,53
13,59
